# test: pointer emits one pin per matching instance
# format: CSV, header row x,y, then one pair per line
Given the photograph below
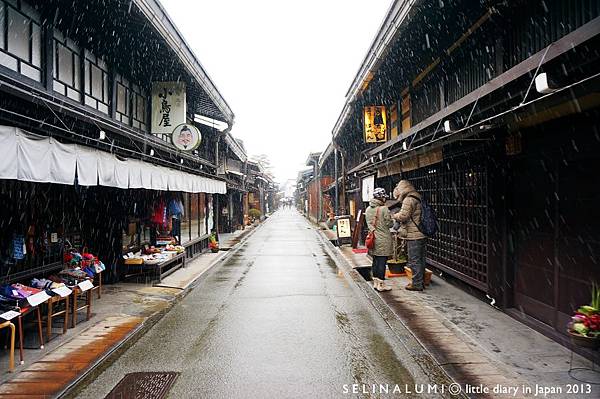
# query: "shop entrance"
x,y
553,234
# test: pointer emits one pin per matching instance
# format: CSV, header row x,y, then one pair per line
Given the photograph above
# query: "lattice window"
x,y
96,82
458,194
140,103
20,38
67,67
123,113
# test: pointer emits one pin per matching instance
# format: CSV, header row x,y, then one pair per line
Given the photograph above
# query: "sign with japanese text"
x,y
85,285
368,186
343,227
11,314
37,299
375,124
168,106
186,137
62,291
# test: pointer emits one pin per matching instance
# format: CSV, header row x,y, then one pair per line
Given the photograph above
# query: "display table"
x,y
75,308
159,269
163,269
56,300
24,312
98,282
11,358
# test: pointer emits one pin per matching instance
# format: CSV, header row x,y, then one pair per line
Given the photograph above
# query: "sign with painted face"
x,y
168,106
375,124
186,137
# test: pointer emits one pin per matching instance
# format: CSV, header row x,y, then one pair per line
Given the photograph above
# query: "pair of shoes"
x,y
411,287
380,285
383,286
376,283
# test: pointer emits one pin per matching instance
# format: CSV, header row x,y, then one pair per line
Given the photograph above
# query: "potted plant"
x,y
584,328
213,244
254,214
399,259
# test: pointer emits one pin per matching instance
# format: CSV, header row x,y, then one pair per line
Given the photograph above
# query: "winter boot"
x,y
411,287
383,286
376,283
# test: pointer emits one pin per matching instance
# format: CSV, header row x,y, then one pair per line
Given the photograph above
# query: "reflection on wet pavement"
x,y
277,319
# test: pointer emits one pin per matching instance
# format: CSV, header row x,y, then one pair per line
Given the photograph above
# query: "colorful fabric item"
x,y
159,215
7,291
176,208
19,247
24,290
42,283
88,270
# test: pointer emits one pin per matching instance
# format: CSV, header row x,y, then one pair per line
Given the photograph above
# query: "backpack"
x,y
429,223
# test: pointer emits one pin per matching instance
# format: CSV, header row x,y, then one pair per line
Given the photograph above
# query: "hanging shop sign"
x,y
168,106
375,124
368,186
186,137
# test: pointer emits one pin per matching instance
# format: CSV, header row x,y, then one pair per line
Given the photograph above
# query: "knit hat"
x,y
379,193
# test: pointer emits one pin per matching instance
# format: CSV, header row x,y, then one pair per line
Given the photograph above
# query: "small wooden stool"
x,y
74,303
11,359
51,314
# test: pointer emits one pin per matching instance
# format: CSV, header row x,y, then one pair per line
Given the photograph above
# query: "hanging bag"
x,y
428,225
370,240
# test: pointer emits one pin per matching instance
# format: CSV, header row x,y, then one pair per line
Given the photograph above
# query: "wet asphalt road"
x,y
276,320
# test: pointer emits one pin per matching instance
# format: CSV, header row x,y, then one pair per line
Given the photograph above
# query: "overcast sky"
x,y
283,66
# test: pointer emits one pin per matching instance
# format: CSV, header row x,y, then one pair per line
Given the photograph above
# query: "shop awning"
x,y
41,159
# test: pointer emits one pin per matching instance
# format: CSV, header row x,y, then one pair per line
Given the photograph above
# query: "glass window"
x,y
209,212
67,64
18,34
185,220
20,42
139,108
202,213
65,70
123,98
96,82
194,216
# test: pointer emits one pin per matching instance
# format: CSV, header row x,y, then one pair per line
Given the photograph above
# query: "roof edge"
x,y
388,29
157,15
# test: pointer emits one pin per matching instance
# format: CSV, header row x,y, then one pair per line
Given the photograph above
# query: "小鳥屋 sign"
x,y
168,106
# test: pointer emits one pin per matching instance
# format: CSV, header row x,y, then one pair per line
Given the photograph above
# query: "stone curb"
x,y
409,341
114,353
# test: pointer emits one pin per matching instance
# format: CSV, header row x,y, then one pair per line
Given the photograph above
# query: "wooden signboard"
x,y
343,229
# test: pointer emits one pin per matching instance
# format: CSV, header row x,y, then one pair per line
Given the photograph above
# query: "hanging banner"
x,y
168,106
186,137
375,124
368,186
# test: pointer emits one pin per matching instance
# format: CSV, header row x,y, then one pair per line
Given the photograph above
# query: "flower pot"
x,y
583,341
214,250
396,267
426,278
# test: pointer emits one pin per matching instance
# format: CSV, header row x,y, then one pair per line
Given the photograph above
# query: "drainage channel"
x,y
144,385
